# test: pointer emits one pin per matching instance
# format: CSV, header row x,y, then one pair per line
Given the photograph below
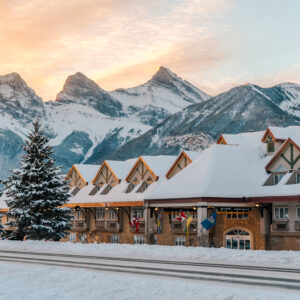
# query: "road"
x,y
233,274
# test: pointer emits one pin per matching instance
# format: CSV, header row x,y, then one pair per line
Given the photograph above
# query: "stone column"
x,y
202,233
147,223
90,224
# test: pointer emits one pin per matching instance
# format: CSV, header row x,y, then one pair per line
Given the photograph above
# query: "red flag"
x,y
181,217
136,223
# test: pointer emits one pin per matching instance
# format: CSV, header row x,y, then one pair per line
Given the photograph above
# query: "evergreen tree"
x,y
36,192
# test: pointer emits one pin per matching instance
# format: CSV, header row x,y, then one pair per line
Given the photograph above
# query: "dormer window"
x,y
95,189
106,190
75,190
143,187
270,147
298,178
277,178
130,187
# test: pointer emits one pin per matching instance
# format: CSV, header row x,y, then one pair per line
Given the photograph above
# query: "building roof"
x,y
283,133
121,168
225,171
246,138
88,172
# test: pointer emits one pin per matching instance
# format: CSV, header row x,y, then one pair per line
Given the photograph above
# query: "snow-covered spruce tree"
x,y
36,192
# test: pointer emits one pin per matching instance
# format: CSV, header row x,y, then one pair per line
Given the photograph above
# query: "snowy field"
x,y
24,281
287,259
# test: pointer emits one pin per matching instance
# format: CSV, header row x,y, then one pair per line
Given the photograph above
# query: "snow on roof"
x,y
292,132
121,168
193,154
88,172
246,138
160,164
116,194
223,171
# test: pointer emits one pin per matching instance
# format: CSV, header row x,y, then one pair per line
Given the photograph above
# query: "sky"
x,y
214,44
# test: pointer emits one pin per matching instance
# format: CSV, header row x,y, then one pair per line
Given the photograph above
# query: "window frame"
x,y
112,215
138,213
100,211
138,239
79,215
269,143
282,211
115,239
180,240
298,212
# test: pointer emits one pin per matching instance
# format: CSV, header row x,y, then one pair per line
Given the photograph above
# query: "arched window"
x,y
238,239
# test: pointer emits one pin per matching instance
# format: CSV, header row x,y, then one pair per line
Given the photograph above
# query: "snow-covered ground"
x,y
31,281
22,281
286,259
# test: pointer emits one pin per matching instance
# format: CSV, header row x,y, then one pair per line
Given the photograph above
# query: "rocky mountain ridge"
x,y
244,108
86,120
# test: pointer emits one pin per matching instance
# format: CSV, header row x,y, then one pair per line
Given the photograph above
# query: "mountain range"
x,y
86,124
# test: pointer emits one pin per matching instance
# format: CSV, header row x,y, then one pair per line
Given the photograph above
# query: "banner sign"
x,y
234,209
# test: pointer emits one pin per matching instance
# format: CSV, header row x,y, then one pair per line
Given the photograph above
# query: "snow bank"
x,y
41,282
288,259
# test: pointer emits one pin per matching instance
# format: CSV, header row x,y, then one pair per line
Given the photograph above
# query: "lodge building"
x,y
250,179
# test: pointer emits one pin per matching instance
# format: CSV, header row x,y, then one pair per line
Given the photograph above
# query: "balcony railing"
x,y
282,225
297,226
79,225
141,227
100,224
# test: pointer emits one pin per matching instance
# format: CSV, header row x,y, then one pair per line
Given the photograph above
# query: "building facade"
x,y
251,180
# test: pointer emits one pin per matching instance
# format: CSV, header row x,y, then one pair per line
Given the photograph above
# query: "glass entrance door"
x,y
238,239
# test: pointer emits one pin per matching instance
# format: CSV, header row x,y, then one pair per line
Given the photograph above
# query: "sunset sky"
x,y
214,44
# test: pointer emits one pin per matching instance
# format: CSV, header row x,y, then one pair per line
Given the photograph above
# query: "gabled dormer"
x,y
141,174
221,140
104,177
75,178
182,161
80,175
287,157
272,144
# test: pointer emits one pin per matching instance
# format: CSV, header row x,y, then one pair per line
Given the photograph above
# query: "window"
x,y
79,215
137,213
114,239
100,214
83,238
238,239
107,189
298,212
281,212
75,190
277,178
95,189
271,147
138,239
112,215
298,178
130,187
180,241
143,187
72,237
236,216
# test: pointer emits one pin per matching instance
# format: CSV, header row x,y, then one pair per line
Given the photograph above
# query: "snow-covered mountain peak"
x,y
164,76
16,97
78,88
